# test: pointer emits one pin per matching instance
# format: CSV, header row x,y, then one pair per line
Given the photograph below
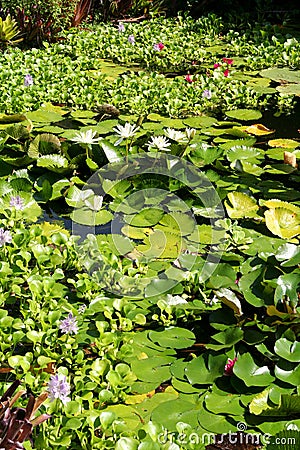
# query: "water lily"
x,y
86,137
228,369
188,78
190,133
158,47
159,143
216,65
226,73
176,135
125,132
228,61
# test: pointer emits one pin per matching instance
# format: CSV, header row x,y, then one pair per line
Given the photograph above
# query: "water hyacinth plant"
x,y
149,237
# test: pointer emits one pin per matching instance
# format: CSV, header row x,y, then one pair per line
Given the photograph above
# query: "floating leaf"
x,y
281,75
174,337
244,114
288,350
230,299
288,376
200,121
146,218
282,219
55,163
259,130
252,375
283,143
205,369
241,205
42,116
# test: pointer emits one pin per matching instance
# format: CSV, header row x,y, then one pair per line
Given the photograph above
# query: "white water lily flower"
x,y
176,135
190,133
125,132
173,300
160,143
86,137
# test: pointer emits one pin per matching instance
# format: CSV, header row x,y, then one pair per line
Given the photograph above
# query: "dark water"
x,y
286,126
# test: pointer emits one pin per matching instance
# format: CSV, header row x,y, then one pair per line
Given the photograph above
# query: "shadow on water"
x,y
285,126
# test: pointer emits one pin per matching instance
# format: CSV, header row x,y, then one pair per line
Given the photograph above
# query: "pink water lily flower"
x,y
216,65
159,47
228,369
188,78
226,73
228,61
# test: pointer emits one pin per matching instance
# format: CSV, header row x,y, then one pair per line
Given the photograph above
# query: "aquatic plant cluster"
x,y
149,255
164,65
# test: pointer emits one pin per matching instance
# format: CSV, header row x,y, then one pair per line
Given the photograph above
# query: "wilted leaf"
x,y
241,205
259,130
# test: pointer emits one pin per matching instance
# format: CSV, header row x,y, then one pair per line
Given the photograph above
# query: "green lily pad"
x,y
244,114
170,413
205,369
200,122
281,75
146,218
42,116
86,216
288,376
174,337
288,350
291,89
252,375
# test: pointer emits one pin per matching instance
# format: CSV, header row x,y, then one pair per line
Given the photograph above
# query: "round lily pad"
x,y
244,114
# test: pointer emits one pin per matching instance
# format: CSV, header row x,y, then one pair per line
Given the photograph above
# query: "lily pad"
x,y
259,130
288,350
146,218
252,375
174,337
282,219
281,75
241,205
283,143
244,114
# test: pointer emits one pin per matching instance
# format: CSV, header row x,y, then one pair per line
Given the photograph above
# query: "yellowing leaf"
x,y
283,143
259,130
282,219
241,205
260,402
138,398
